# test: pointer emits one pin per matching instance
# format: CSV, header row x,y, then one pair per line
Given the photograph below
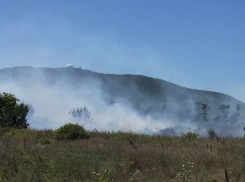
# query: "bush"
x,y
12,113
44,140
70,132
189,136
211,133
244,134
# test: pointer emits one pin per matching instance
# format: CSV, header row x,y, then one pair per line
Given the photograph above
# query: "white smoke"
x,y
52,104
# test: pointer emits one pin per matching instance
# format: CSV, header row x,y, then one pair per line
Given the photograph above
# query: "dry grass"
x,y
29,155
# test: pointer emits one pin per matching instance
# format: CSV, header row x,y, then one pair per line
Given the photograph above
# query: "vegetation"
x,y
64,155
70,132
12,113
189,136
81,113
202,112
26,155
211,133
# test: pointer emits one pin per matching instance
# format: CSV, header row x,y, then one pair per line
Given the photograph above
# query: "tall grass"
x,y
32,155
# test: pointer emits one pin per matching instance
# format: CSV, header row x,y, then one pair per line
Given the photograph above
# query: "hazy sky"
x,y
198,44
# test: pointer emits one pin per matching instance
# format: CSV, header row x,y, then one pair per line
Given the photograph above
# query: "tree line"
x,y
13,113
202,115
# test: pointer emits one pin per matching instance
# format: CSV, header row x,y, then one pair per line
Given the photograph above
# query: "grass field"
x,y
33,155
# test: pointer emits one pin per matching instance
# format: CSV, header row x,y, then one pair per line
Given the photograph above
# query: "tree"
x,y
224,112
81,114
12,112
202,114
236,115
223,115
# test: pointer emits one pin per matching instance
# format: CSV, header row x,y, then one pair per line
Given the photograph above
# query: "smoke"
x,y
51,104
52,93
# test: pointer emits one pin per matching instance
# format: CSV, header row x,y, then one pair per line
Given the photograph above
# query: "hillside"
x,y
147,96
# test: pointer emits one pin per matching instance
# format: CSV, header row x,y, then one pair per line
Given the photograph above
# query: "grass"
x,y
34,155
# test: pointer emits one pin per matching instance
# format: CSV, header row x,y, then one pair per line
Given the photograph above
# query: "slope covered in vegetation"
x,y
111,97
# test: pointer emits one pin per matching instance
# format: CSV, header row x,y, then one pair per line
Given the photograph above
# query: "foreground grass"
x,y
29,155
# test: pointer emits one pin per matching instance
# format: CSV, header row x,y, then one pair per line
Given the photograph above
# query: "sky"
x,y
196,44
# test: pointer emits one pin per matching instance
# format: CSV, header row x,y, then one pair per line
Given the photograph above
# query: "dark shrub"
x,y
211,133
70,132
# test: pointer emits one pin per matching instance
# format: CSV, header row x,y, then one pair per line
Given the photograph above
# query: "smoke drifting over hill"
x,y
118,102
52,100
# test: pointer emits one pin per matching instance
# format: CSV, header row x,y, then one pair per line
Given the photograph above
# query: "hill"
x,y
162,101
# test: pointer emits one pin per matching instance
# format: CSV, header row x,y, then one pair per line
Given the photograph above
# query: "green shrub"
x,y
44,140
4,130
189,136
70,132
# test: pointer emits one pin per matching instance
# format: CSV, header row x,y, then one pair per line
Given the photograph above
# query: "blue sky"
x,y
197,44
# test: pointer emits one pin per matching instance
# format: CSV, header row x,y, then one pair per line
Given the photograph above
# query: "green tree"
x,y
12,112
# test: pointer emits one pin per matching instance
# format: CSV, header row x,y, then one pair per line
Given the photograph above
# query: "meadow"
x,y
35,155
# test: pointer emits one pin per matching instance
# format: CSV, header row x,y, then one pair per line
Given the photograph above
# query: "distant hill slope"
x,y
142,92
148,96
